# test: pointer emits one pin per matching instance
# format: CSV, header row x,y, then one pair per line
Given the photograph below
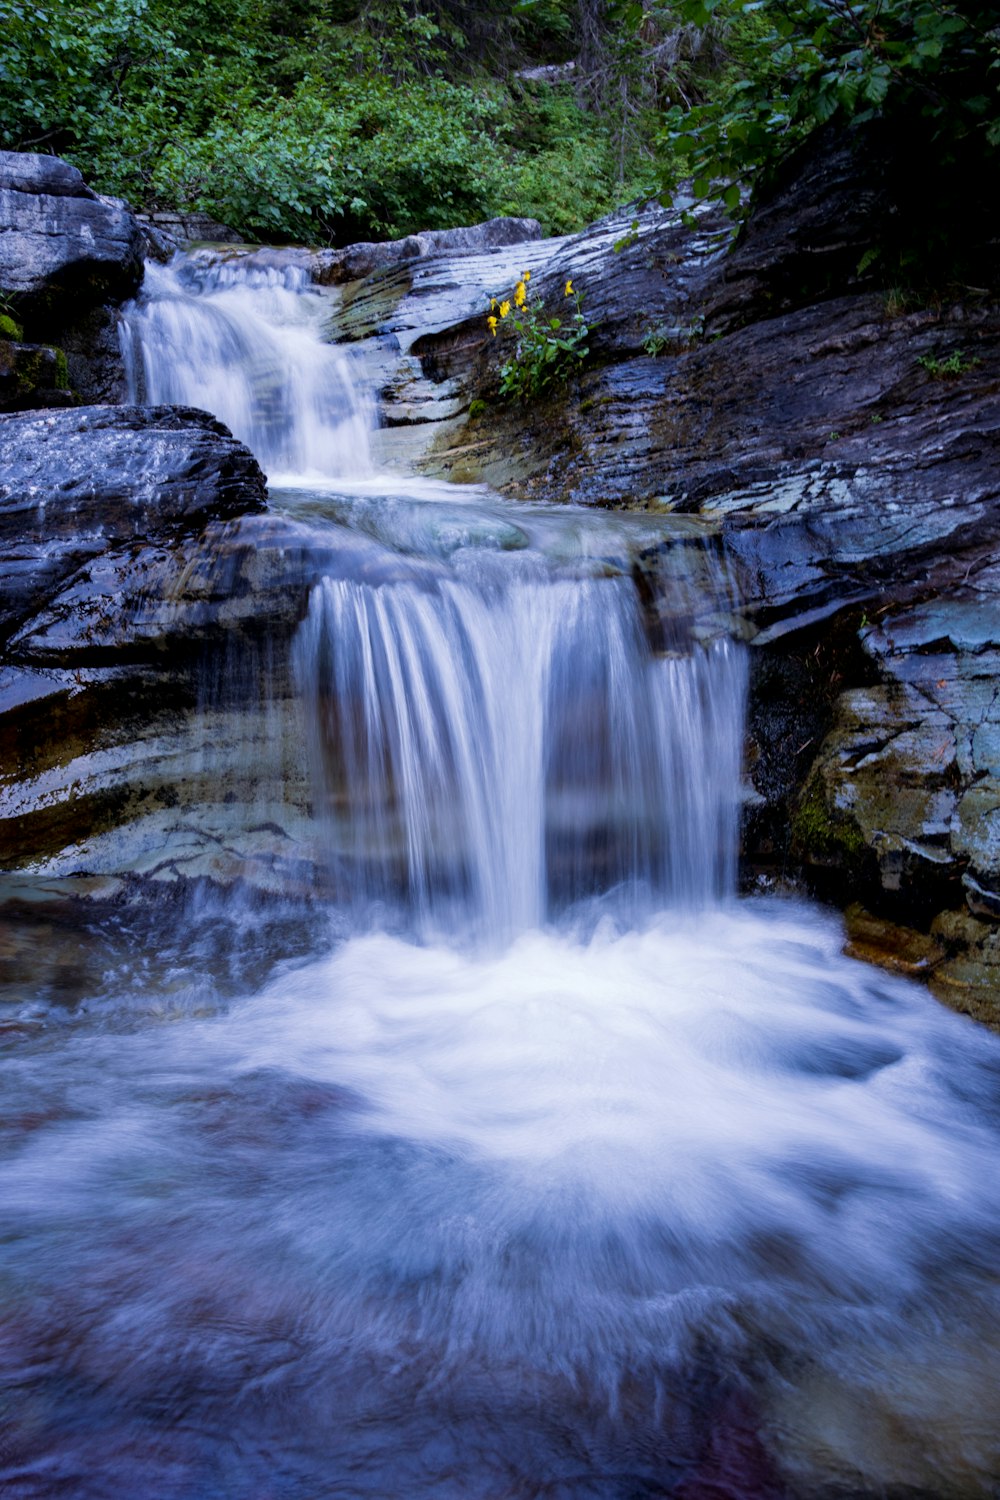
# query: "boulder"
x,y
60,242
67,259
80,483
333,267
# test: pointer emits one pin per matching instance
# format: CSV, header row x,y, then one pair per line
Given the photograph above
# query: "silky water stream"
x,y
548,1167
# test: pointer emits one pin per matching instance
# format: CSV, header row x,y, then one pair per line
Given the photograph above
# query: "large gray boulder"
x,y
60,242
68,258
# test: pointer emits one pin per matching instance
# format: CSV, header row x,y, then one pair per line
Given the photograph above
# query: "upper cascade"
x,y
246,343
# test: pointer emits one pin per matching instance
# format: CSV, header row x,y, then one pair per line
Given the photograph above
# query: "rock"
x,y
67,259
151,734
901,950
333,267
60,243
166,232
24,172
32,375
969,978
903,801
76,485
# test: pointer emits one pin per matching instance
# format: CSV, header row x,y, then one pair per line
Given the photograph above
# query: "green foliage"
x,y
546,350
927,71
336,120
950,366
655,339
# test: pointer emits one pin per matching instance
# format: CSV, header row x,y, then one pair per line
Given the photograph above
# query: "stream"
x,y
528,1160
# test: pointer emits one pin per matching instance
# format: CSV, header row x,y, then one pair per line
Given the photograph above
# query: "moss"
x,y
476,408
62,371
819,835
9,329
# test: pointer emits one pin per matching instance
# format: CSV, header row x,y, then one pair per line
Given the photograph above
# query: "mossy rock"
x,y
32,375
821,835
9,329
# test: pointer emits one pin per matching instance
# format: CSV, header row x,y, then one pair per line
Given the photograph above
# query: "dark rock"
x,y
901,950
166,232
809,234
60,242
32,375
23,172
913,762
95,368
67,258
74,484
969,978
332,267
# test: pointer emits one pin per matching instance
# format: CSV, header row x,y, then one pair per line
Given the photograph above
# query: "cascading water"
x,y
497,737
246,344
557,1171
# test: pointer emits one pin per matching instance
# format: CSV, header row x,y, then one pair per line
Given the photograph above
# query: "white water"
x,y
508,734
245,344
572,1176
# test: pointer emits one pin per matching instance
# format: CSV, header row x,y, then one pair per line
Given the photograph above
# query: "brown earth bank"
x,y
836,438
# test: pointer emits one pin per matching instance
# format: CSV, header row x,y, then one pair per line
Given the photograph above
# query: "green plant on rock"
x,y
950,366
546,349
655,338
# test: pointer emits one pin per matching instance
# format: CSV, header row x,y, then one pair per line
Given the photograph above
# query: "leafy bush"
x,y
927,71
289,119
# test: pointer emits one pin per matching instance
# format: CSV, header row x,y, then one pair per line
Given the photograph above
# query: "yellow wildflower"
x,y
493,304
569,289
520,295
491,324
504,309
525,275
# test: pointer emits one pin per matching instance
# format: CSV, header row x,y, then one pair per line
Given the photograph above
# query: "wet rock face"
x,y
907,782
141,585
67,259
60,239
96,483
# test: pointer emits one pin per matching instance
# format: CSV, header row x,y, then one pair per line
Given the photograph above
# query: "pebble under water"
x,y
539,1165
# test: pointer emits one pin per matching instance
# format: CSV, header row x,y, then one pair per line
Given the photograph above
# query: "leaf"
x,y
876,86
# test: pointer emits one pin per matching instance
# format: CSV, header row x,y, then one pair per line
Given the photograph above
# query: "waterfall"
x,y
516,1159
497,740
245,342
493,748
